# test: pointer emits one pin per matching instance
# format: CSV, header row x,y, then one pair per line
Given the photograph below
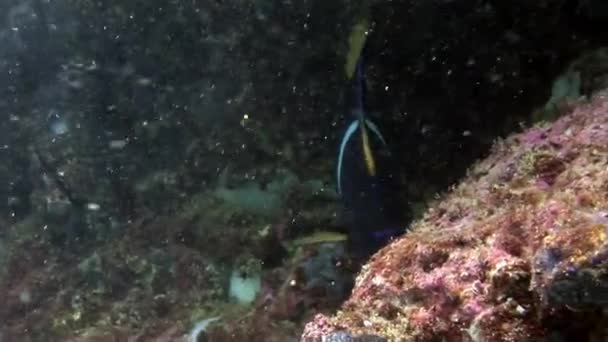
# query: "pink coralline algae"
x,y
517,252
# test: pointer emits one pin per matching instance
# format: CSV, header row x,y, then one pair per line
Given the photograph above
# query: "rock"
x,y
518,251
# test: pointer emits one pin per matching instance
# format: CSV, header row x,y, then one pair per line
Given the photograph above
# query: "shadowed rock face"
x,y
516,252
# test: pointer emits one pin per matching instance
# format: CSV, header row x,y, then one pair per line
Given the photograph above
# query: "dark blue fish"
x,y
367,179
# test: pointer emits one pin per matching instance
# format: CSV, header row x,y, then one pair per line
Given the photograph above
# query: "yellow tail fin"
x,y
356,41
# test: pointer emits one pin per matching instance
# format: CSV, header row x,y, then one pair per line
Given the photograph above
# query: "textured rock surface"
x,y
517,252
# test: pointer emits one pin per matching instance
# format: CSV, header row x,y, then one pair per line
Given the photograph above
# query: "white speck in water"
x,y
144,81
93,206
92,66
118,144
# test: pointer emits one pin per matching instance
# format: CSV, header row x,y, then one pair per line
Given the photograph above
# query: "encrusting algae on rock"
x,y
517,252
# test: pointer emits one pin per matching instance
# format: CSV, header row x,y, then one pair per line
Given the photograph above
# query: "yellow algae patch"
x,y
578,242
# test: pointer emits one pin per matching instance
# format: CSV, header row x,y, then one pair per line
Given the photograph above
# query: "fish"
x,y
320,237
367,178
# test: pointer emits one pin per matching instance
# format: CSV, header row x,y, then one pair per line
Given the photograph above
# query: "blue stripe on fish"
x,y
352,128
350,131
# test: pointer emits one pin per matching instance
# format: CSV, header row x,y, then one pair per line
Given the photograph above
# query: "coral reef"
x,y
518,251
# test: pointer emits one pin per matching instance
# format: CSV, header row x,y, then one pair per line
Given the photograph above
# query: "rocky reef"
x,y
168,169
518,251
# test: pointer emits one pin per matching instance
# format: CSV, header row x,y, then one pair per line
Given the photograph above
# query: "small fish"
x,y
320,237
367,178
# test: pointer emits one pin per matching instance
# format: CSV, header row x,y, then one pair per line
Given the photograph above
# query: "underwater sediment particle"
x,y
524,258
